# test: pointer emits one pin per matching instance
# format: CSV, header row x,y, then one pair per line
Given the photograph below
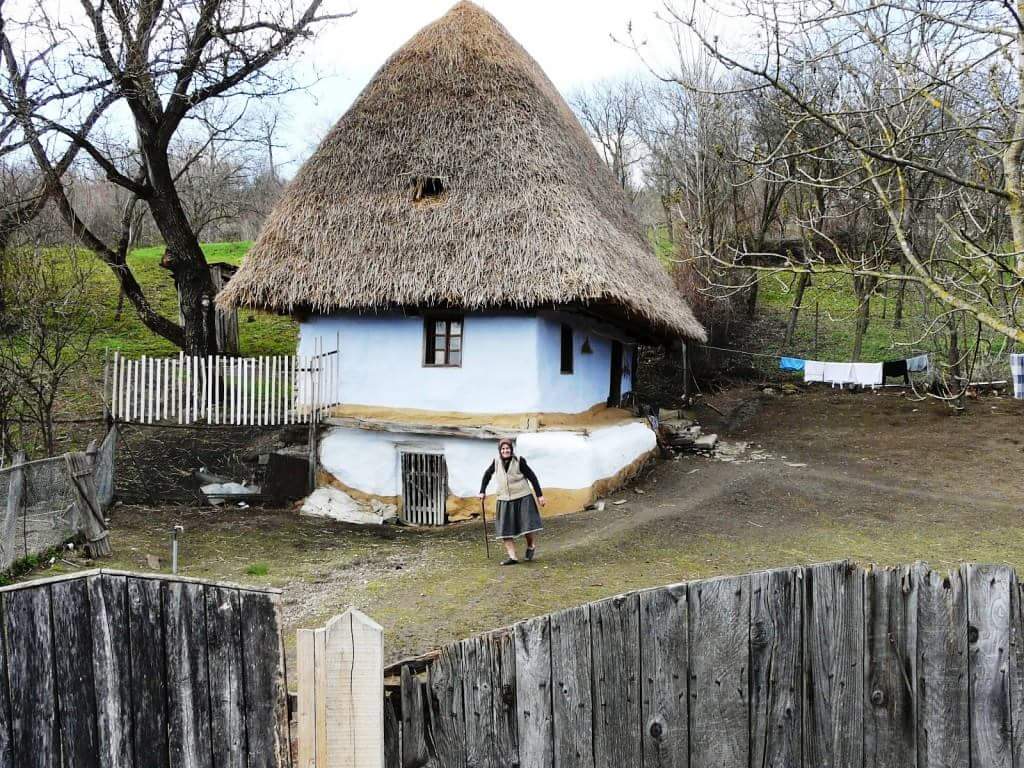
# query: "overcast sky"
x,y
571,39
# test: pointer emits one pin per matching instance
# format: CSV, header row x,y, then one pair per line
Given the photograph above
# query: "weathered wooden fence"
x,y
828,665
117,669
246,391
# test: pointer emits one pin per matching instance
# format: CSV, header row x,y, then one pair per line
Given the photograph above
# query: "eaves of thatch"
x,y
527,215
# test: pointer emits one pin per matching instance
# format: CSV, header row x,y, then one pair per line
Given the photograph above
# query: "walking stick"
x,y
487,541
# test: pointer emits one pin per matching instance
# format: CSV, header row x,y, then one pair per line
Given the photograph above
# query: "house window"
x,y
443,337
566,348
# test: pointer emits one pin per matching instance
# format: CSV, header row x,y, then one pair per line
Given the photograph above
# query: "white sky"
x,y
571,39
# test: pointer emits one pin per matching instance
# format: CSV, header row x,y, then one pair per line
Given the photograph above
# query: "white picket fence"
x,y
241,391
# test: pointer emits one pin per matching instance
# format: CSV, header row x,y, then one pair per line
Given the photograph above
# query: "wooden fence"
x,y
827,665
244,391
106,668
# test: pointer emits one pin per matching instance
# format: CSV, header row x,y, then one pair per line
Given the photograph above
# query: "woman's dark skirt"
x,y
517,517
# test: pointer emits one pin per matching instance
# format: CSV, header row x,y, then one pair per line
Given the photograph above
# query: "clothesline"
x,y
762,354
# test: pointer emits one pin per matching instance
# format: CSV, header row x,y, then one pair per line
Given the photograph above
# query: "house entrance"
x,y
615,384
424,488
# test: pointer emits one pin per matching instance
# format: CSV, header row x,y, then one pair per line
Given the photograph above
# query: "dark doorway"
x,y
615,385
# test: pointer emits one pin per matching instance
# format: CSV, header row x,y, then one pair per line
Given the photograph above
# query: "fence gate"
x,y
424,488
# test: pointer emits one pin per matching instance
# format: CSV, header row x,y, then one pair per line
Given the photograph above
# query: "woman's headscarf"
x,y
507,441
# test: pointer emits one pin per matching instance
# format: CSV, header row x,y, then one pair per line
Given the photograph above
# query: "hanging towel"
x,y
791,364
894,368
917,364
838,373
867,374
1017,374
814,370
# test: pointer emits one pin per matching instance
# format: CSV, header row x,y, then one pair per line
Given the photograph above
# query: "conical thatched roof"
x,y
530,217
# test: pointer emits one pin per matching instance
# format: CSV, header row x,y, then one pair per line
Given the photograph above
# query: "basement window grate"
x,y
424,488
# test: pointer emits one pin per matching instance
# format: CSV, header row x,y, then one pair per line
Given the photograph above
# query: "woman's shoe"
x,y
510,561
530,552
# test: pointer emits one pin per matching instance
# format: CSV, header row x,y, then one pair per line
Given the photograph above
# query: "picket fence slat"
x,y
572,694
267,390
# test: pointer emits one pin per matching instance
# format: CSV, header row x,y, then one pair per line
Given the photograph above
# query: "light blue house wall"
x,y
510,364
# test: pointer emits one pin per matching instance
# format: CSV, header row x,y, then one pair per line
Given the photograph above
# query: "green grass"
x,y
836,309
258,569
259,333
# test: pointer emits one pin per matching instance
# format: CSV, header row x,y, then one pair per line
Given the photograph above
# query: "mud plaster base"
x,y
560,501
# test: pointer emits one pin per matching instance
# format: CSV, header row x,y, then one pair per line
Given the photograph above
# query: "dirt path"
x,y
826,475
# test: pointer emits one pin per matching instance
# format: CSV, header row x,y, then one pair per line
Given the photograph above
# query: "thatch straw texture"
x,y
529,217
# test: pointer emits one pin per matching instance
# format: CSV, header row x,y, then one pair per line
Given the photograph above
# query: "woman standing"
x,y
517,511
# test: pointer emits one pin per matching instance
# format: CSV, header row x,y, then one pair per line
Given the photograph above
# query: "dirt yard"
x,y
875,477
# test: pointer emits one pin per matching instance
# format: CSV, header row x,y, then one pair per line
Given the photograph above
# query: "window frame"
x,y
430,339
567,350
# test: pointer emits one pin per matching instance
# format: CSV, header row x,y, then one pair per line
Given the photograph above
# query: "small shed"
x,y
226,318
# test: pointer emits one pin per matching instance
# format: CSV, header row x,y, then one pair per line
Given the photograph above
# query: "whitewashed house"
x,y
460,241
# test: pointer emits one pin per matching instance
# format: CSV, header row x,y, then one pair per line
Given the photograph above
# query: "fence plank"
x,y
988,605
478,700
571,689
664,659
615,631
719,620
320,692
188,687
266,684
942,709
227,694
890,662
445,709
1017,670
392,736
833,665
533,692
73,673
305,717
503,680
108,600
355,705
148,681
415,753
34,737
6,745
776,599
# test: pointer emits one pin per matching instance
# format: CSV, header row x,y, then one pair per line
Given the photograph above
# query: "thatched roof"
x,y
529,216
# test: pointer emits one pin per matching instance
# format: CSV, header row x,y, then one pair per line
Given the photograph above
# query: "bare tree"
x,y
610,110
917,113
163,62
53,306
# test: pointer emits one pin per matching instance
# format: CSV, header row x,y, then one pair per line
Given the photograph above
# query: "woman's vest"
x,y
511,482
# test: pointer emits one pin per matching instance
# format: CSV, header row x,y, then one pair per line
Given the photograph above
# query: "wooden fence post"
x,y
90,516
9,524
341,693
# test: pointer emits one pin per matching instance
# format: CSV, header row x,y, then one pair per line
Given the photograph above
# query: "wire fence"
x,y
39,502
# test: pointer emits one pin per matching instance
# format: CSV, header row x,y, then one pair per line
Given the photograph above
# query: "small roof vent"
x,y
426,188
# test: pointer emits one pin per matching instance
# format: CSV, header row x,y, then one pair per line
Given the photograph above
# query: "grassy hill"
x,y
259,333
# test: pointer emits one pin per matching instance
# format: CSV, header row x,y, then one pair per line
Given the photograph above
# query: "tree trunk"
x,y
802,280
897,312
752,296
184,258
862,286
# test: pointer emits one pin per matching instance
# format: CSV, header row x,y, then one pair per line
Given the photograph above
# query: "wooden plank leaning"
x,y
12,512
89,516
